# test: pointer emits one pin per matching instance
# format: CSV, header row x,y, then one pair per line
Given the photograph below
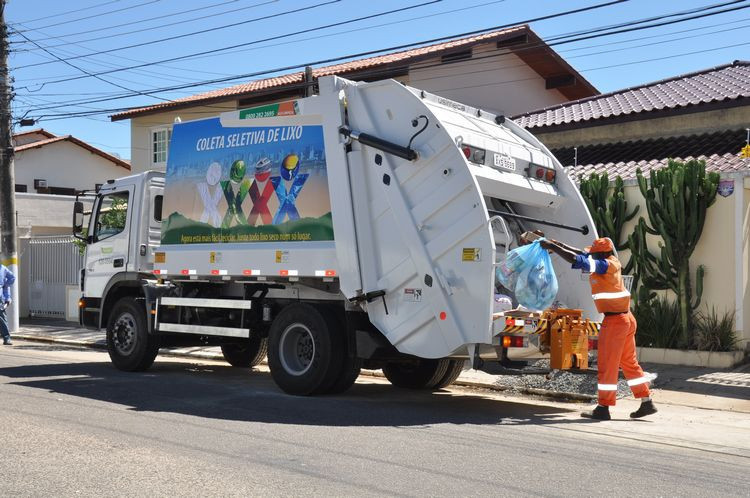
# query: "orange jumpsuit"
x,y
617,335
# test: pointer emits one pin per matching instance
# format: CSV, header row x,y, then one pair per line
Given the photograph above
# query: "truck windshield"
x,y
111,215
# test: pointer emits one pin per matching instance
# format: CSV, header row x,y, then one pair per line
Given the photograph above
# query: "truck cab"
x,y
123,232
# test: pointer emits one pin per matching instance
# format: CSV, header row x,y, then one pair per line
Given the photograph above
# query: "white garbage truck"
x,y
358,227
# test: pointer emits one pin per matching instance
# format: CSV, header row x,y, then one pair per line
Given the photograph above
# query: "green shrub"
x,y
714,331
658,323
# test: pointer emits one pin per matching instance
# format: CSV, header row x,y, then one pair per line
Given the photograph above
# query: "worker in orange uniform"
x,y
617,334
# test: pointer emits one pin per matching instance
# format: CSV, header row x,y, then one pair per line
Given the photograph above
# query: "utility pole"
x,y
8,253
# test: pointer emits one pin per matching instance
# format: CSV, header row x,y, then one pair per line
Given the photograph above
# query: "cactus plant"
x,y
677,198
610,212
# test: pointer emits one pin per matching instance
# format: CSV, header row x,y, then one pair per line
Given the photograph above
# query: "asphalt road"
x,y
73,425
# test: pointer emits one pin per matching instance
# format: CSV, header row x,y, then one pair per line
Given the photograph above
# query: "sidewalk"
x,y
705,388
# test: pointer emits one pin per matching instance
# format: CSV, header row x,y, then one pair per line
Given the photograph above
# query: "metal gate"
x,y
54,264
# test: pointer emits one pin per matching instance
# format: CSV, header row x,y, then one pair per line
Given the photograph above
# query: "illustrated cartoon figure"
x,y
290,172
260,199
211,195
234,213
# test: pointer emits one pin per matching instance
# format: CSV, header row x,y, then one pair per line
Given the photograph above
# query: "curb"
x,y
558,395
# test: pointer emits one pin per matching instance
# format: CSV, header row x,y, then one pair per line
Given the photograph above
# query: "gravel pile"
x,y
563,382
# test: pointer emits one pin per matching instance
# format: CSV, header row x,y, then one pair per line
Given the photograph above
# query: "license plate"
x,y
505,162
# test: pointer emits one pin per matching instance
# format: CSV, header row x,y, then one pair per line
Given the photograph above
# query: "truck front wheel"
x,y
418,374
246,355
131,348
304,350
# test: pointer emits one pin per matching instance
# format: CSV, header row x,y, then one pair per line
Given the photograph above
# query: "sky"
x,y
56,46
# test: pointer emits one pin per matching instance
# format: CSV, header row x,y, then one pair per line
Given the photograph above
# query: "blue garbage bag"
x,y
528,271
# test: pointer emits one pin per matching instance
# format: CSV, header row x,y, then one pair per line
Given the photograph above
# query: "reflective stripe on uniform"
x,y
610,295
607,387
641,380
592,265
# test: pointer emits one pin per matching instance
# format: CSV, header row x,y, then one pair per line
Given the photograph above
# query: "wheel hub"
x,y
124,333
296,349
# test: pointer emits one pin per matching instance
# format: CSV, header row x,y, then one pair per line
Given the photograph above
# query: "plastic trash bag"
x,y
528,270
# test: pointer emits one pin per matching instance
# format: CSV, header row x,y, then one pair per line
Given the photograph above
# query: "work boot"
x,y
599,413
646,408
7,342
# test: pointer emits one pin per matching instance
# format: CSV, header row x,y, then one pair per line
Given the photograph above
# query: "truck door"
x,y
109,239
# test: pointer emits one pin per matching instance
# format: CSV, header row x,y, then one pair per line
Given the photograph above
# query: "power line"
x,y
69,12
474,72
350,56
417,67
93,75
98,15
140,21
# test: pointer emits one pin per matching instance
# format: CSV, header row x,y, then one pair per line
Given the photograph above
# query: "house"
x,y
49,170
505,72
701,115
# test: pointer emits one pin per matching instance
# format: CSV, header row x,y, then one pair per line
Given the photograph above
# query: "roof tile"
x,y
727,82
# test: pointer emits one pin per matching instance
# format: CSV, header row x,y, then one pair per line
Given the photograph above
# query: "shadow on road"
x,y
222,392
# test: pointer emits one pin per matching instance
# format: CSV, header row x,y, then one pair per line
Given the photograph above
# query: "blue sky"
x,y
80,27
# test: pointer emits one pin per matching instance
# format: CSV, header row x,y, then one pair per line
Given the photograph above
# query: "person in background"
x,y
617,334
6,281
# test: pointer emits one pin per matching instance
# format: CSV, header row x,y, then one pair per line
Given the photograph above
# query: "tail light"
x,y
541,173
593,345
474,154
514,341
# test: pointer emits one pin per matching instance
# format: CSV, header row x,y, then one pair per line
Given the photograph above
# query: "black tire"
x,y
455,367
347,377
131,348
420,374
305,350
247,354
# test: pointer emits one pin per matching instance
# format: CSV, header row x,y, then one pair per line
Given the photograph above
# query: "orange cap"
x,y
601,245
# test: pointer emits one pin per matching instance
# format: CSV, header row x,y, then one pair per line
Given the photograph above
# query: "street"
x,y
73,425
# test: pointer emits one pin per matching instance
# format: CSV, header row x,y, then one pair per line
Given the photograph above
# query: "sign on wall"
x,y
246,184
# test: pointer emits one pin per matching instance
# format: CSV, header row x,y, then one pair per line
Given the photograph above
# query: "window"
x,y
158,200
61,191
111,215
22,187
160,145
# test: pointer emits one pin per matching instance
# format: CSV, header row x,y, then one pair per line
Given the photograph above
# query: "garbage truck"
x,y
359,227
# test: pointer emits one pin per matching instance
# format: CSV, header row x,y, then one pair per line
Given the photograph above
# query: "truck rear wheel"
x,y
246,355
131,348
420,374
455,367
304,350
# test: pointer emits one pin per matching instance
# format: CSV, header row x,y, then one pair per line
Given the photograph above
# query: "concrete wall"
x,y
64,164
503,85
724,250
140,130
673,126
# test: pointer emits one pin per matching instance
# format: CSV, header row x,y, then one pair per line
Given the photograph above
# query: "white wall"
x,y
503,85
64,164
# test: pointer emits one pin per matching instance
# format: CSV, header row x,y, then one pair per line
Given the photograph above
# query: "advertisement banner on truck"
x,y
246,183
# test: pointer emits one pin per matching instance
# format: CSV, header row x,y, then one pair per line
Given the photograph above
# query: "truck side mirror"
x,y
78,219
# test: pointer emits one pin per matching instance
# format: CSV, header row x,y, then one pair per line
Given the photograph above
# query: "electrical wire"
x,y
141,21
417,66
149,2
350,56
210,30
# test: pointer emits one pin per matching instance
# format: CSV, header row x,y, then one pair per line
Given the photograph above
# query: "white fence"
x,y
54,264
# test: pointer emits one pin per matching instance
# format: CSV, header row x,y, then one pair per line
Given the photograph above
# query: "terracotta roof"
x,y
35,131
528,47
722,83
721,151
80,143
